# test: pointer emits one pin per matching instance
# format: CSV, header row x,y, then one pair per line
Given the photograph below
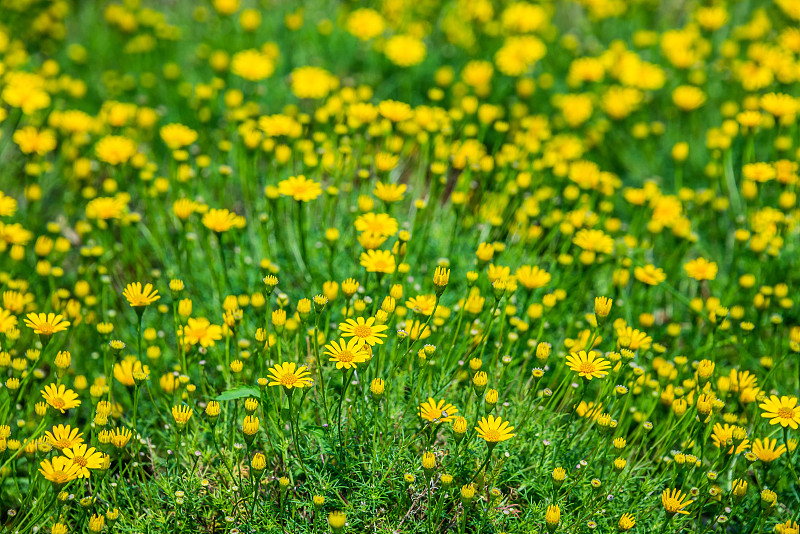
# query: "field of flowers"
x,y
403,266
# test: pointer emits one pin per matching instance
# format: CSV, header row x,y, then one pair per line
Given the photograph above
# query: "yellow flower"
x,y
395,111
674,503
722,433
84,458
126,370
252,65
602,306
30,140
337,520
415,331
767,450
631,338
441,277
589,365
365,24
290,376
437,412
46,324
226,7
115,149
139,297
378,261
60,398
250,425
422,304
177,136
59,471
8,205
781,411
64,437
626,522
552,517
181,415
701,269
379,223
365,330
105,208
121,437
299,188
405,50
312,82
532,277
347,354
688,97
594,241
201,331
779,104
389,192
649,274
494,429
221,220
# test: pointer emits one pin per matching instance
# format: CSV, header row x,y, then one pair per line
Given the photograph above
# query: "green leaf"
x,y
238,393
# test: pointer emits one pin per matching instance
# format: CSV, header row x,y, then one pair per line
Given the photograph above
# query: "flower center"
x,y
80,460
786,413
362,331
587,368
492,435
61,444
288,380
57,403
346,356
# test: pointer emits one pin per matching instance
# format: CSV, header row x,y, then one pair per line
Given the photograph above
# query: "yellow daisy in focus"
x,y
63,437
364,330
139,296
437,412
589,365
290,376
84,458
59,470
181,414
346,353
46,324
494,429
674,502
378,261
781,411
767,450
60,398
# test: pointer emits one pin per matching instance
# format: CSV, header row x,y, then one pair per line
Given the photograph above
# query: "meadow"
x,y
432,266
